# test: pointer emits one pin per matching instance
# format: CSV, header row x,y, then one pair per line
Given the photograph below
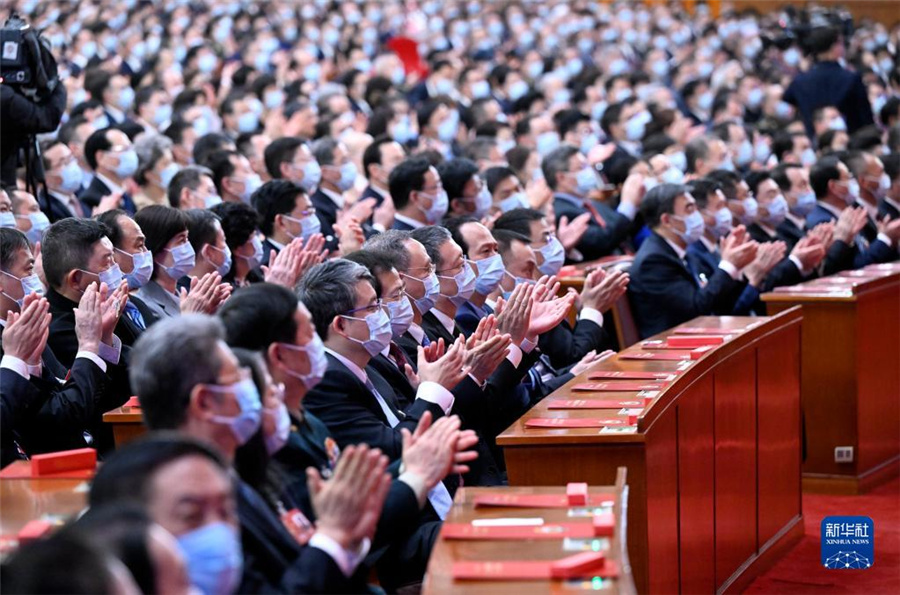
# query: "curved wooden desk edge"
x,y
683,381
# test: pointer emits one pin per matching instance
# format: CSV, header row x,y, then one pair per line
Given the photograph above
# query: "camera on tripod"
x,y
25,59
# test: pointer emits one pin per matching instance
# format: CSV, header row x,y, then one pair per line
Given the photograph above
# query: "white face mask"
x,y
438,208
318,362
141,268
184,259
401,315
276,441
379,331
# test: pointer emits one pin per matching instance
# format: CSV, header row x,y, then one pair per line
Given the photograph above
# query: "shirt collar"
x,y
115,114
357,371
892,202
570,198
274,243
411,222
678,249
800,223
769,231
872,210
379,191
710,245
417,332
113,187
831,209
337,199
445,320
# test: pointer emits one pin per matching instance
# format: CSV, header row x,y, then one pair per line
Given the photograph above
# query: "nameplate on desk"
x,y
602,525
627,375
596,403
535,570
501,500
658,356
617,386
571,422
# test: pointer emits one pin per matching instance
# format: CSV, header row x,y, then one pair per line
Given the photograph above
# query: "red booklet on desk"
x,y
503,500
571,422
597,403
601,525
593,387
584,565
69,464
628,375
657,355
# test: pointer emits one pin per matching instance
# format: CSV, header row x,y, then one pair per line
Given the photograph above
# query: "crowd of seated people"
x,y
320,242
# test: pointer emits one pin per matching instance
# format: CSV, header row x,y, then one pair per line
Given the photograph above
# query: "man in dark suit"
x,y
890,203
793,180
379,159
664,289
829,83
418,195
338,176
201,391
63,176
571,178
70,399
268,318
286,213
110,154
832,183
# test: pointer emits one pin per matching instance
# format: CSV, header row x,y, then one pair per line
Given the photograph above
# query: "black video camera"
x,y
25,60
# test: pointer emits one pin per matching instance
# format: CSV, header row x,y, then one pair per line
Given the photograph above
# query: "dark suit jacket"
x,y
275,563
664,293
55,209
828,83
64,343
841,256
706,262
65,407
327,213
402,225
267,251
789,233
16,395
97,190
885,208
353,415
597,241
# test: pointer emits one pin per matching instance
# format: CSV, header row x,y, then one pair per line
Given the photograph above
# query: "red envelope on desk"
x,y
597,403
133,402
602,525
706,330
571,422
584,565
593,387
692,341
537,500
628,375
653,355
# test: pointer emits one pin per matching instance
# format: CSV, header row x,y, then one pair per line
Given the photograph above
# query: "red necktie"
x,y
587,204
398,357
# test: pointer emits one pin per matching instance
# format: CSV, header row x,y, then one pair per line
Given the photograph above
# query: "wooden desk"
x,y
850,376
127,423
573,276
439,578
25,500
713,466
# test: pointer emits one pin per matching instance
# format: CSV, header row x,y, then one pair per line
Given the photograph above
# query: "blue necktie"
x,y
132,312
425,341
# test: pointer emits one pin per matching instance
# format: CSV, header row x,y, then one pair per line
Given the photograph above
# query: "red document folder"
x,y
602,525
627,375
618,386
706,330
597,403
502,500
559,422
584,565
691,341
656,355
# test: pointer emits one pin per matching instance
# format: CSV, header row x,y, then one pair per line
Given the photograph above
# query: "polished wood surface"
x,y
439,579
24,500
713,465
572,277
127,423
850,366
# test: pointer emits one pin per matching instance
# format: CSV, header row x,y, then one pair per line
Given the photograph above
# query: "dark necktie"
x,y
397,356
687,265
132,312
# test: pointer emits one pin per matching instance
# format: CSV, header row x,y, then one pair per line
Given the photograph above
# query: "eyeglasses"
x,y
430,268
455,270
395,299
370,309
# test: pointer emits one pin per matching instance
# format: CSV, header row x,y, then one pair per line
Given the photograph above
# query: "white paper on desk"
x,y
635,411
618,430
509,522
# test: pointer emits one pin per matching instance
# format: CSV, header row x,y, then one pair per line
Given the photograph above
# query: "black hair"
x,y
281,150
407,177
258,315
69,245
276,197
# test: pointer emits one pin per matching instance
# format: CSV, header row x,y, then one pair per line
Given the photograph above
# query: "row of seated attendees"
x,y
329,268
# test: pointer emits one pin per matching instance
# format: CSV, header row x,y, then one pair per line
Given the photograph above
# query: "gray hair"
x,y
323,150
391,243
169,360
698,148
329,289
432,237
480,148
150,148
557,162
